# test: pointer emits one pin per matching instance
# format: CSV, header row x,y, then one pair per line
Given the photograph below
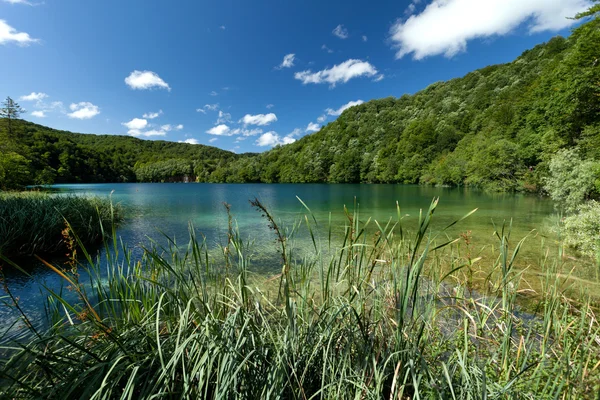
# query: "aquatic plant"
x,y
35,222
379,315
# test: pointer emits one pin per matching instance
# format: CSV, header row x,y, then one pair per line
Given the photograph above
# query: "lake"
x,y
154,210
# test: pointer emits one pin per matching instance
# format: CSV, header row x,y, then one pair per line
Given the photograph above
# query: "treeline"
x,y
496,128
34,154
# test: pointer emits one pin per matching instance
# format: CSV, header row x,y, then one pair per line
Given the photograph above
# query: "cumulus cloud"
x,y
146,80
190,141
153,115
322,119
179,127
220,130
312,127
445,26
9,34
338,73
136,124
259,119
343,108
272,139
288,61
33,97
38,114
83,110
340,32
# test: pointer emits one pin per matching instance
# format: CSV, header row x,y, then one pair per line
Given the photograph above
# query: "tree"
x,y
10,110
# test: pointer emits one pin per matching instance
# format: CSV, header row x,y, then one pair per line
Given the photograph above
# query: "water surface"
x,y
154,210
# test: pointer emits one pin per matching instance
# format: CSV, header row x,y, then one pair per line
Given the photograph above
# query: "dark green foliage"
x,y
48,156
33,222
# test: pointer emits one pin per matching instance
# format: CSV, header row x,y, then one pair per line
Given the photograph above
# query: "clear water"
x,y
156,209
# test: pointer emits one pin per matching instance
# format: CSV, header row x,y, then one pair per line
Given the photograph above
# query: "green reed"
x,y
383,314
33,222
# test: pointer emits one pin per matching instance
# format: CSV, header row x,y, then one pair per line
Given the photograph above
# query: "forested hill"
x,y
496,128
34,154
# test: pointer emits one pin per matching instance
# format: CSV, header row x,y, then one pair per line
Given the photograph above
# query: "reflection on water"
x,y
156,209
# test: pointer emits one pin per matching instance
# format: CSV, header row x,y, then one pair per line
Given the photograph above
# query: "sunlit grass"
x,y
385,313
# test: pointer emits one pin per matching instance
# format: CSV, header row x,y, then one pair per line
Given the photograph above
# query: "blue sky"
x,y
216,72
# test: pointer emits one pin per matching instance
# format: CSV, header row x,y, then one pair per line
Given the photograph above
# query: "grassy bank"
x,y
34,222
387,315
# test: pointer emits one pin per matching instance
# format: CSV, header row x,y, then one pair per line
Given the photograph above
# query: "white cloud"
x,y
212,140
153,115
379,78
18,2
136,124
322,119
9,34
39,114
364,38
201,110
272,138
340,32
259,119
213,93
445,26
288,61
327,49
179,127
154,132
223,117
269,106
343,108
246,132
220,130
83,110
312,127
338,73
190,141
295,132
222,27
211,107
146,80
33,97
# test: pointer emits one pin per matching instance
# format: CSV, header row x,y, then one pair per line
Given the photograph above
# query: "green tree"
x,y
571,180
10,110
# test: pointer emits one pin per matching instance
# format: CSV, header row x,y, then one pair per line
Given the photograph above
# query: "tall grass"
x,y
33,222
359,319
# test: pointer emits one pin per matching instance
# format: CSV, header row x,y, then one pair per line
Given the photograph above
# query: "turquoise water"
x,y
156,209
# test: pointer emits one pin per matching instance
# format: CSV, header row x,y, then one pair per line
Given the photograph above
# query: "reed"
x,y
383,314
34,222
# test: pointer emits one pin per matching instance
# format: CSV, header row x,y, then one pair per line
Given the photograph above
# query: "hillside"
x,y
35,154
495,128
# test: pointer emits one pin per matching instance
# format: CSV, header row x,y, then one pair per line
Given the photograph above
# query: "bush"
x,y
582,230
